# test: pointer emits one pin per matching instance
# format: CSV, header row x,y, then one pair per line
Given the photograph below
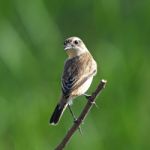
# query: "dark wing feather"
x,y
69,76
67,84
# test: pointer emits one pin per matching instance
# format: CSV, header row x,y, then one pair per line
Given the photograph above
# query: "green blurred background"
x,y
32,32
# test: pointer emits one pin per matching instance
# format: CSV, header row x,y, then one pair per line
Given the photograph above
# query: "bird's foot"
x,y
88,97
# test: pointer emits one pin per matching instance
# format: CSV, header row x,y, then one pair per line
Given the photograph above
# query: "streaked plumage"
x,y
78,74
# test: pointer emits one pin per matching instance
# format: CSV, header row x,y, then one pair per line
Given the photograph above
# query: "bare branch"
x,y
86,109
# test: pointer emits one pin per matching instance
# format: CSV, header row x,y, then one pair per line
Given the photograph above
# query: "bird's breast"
x,y
83,88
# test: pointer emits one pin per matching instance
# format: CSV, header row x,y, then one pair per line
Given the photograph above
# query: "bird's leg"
x,y
74,118
88,98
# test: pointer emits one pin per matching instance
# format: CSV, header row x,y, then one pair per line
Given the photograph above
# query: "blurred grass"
x,y
31,62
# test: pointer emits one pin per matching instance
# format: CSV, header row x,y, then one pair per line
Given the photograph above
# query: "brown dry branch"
x,y
86,109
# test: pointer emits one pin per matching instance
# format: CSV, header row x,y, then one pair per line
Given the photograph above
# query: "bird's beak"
x,y
67,47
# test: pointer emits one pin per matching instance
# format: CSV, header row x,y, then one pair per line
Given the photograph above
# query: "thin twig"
x,y
86,109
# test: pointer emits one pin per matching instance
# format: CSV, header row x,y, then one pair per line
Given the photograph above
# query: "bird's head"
x,y
74,46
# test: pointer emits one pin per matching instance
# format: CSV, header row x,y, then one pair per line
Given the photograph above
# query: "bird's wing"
x,y
76,71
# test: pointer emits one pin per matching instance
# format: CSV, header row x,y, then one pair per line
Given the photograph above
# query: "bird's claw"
x,y
88,97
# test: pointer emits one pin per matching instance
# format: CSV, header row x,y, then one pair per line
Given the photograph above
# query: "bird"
x,y
79,70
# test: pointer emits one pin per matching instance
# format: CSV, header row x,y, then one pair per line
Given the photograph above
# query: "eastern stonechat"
x,y
79,70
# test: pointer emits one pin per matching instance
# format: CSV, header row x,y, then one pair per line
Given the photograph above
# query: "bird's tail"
x,y
59,109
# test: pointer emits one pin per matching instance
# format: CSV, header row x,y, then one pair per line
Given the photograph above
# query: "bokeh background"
x,y
117,33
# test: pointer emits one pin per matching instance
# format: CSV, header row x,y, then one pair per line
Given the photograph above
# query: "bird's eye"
x,y
76,42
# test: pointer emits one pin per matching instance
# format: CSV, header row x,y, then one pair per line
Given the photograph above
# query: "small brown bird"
x,y
79,69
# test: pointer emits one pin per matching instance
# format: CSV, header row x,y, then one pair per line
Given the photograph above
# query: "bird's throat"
x,y
71,53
